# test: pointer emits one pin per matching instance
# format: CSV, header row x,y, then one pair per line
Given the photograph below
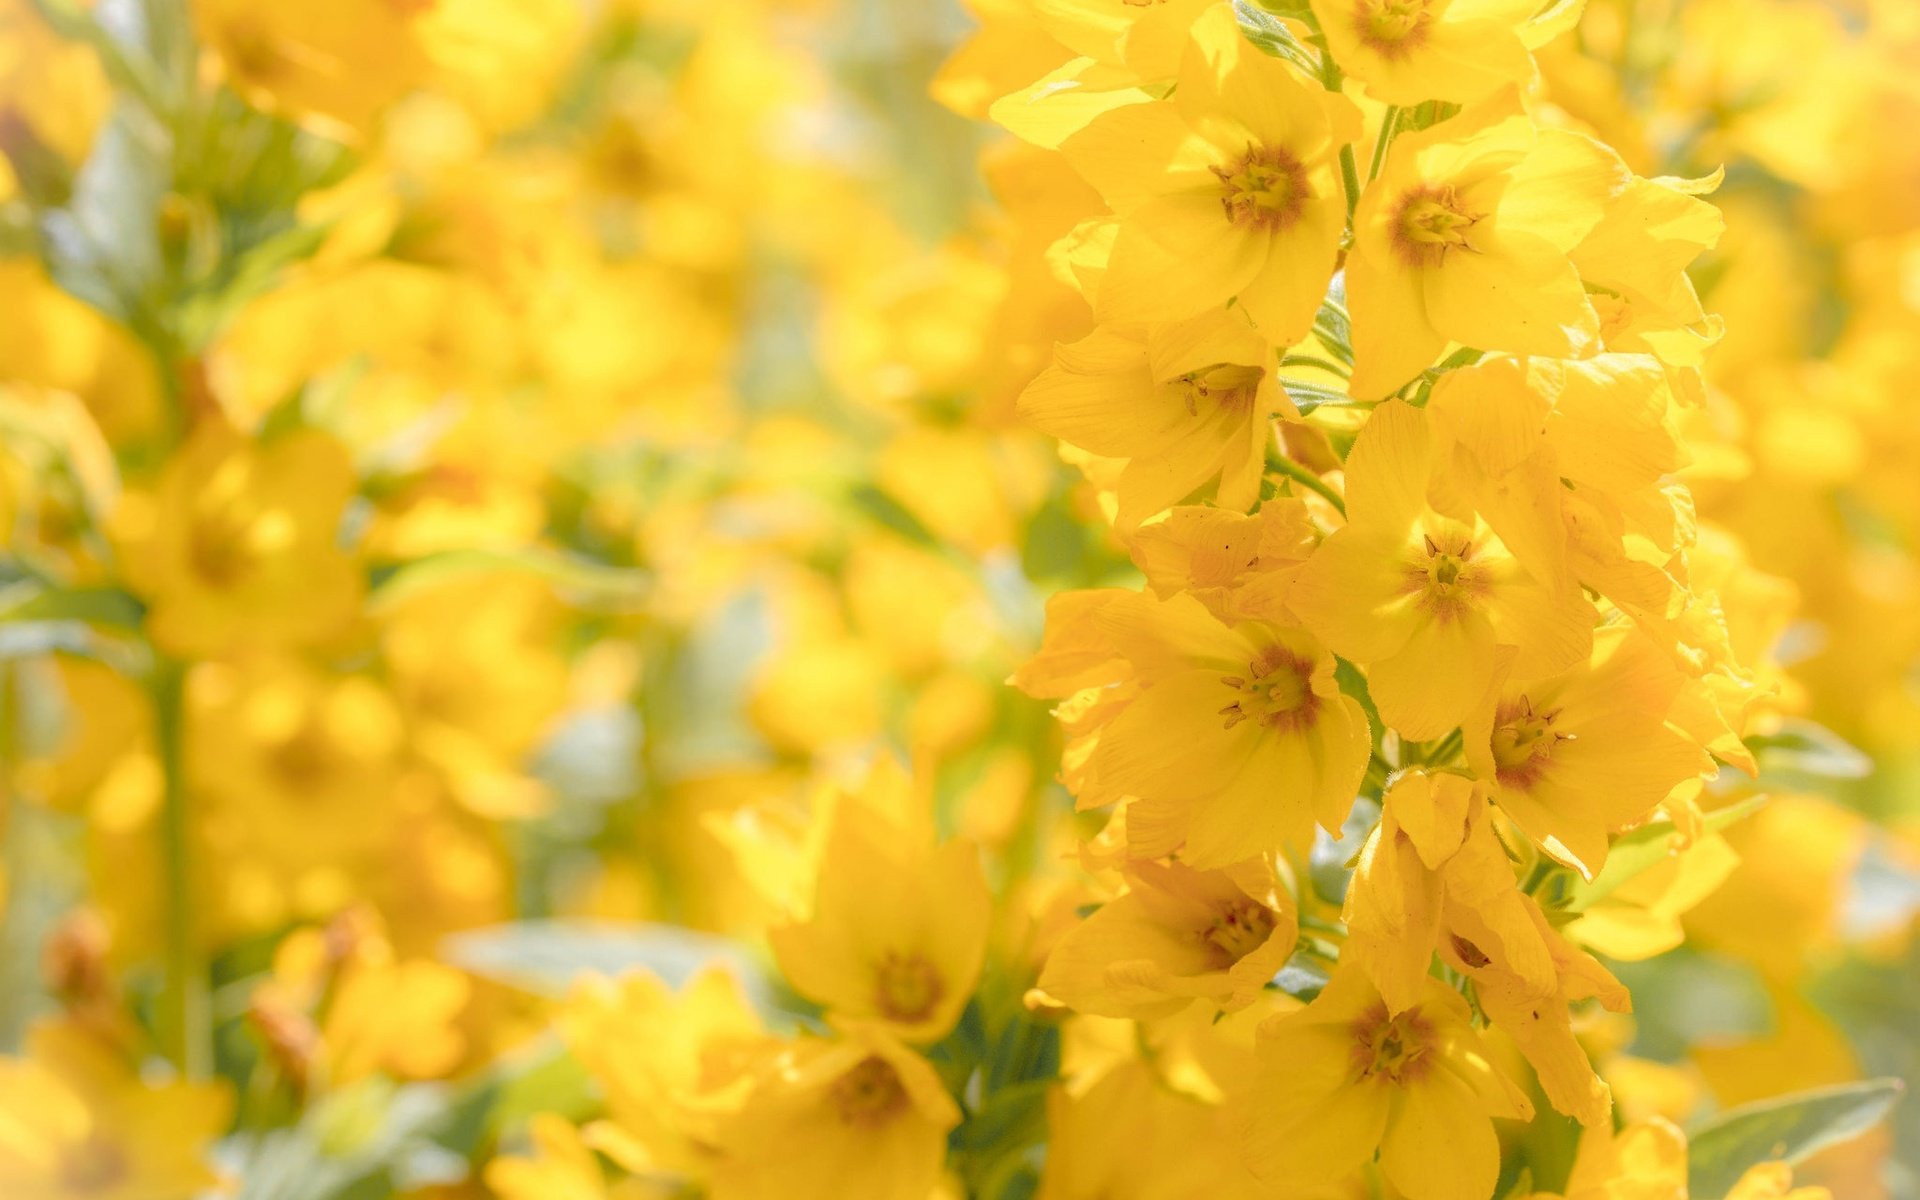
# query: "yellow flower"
x,y
898,930
1634,262
1574,756
1237,741
1643,1161
1430,602
561,1168
337,65
479,682
1464,238
1232,563
1183,403
296,770
1408,51
239,549
1129,1134
76,1123
1228,191
375,1013
1434,876
1176,935
1345,1079
672,1064
860,1116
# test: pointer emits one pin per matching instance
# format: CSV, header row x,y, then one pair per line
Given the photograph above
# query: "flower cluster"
x,y
585,616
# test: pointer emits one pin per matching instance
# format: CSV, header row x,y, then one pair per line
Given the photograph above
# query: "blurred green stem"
x,y
184,1013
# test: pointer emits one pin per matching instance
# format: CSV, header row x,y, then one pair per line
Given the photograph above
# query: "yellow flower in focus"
x,y
1183,403
1237,741
1344,1079
239,549
1464,238
861,1116
898,930
1176,935
1228,191
1573,756
1435,876
76,1123
1430,602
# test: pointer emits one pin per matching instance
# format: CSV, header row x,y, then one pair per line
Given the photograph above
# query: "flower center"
x,y
869,1094
1277,692
1265,189
1430,222
1393,28
1445,576
1238,931
1230,387
1523,742
1396,1049
908,987
225,542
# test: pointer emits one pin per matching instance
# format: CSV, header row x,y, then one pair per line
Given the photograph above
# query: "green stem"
x,y
185,1014
1332,79
1307,479
1350,176
1308,360
1388,125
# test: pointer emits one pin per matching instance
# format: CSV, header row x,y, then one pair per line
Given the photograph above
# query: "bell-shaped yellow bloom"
x,y
1574,756
1409,51
1182,403
240,546
1464,238
1434,876
1430,603
1227,191
862,1116
1569,462
1237,741
1345,1079
1634,263
898,930
1175,936
1234,564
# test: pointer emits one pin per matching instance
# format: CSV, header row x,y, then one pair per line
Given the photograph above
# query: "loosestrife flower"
x,y
1227,191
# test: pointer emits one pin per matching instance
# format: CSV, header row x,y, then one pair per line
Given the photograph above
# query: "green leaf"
x,y
104,246
887,511
108,607
1802,751
368,1141
1308,396
545,1080
587,583
1788,1129
1266,30
1648,847
1332,325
